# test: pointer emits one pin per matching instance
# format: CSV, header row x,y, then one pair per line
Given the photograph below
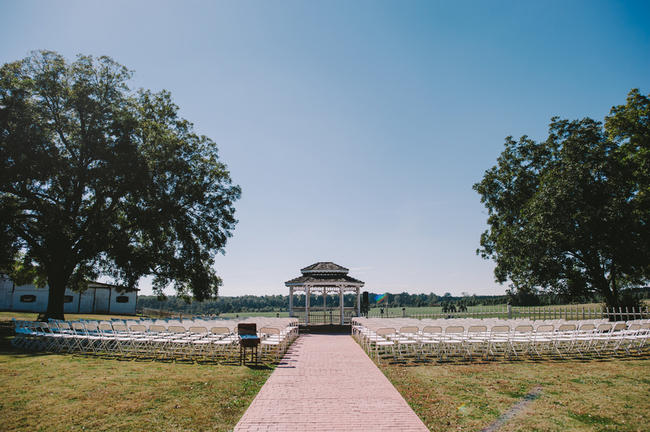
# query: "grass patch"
x,y
64,392
592,419
576,396
53,392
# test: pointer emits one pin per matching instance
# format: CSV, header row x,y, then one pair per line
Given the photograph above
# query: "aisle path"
x,y
328,383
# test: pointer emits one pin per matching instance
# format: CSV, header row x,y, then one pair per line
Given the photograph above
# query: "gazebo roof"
x,y
301,280
326,273
324,267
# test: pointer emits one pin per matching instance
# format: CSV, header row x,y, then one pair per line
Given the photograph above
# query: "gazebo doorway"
x,y
318,281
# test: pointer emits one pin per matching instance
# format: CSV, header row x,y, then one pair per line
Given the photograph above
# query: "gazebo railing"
x,y
319,316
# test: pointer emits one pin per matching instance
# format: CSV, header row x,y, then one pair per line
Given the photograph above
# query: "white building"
x,y
99,298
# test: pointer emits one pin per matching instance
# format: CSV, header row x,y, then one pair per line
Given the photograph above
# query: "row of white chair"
x,y
202,322
466,322
459,341
154,341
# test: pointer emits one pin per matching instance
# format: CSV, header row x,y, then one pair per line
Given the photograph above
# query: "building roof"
x,y
95,284
324,273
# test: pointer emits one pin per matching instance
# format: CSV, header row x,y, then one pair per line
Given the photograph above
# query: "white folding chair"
x,y
476,341
384,341
453,342
431,340
499,342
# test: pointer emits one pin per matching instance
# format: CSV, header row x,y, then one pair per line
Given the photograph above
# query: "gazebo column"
x,y
307,294
358,301
291,302
342,303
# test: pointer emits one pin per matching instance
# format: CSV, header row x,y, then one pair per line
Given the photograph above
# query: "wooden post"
x,y
342,304
307,294
358,301
291,302
325,306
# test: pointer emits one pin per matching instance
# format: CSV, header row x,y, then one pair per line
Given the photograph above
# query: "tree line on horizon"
x,y
280,303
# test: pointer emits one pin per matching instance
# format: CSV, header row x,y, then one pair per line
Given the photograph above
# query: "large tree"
x,y
571,214
97,179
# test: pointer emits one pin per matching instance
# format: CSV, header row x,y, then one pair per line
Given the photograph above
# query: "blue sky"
x,y
357,128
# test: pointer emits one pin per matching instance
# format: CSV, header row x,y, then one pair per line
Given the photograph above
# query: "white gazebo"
x,y
324,278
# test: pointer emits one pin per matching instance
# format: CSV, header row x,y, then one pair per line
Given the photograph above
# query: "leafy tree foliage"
x,y
570,214
96,179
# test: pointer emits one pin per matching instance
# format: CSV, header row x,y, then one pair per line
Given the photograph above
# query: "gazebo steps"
x,y
326,329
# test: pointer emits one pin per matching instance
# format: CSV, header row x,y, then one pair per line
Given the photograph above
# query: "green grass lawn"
x,y
611,395
69,393
64,392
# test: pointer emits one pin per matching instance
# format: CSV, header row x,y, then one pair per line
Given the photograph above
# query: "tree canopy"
x,y
570,214
98,179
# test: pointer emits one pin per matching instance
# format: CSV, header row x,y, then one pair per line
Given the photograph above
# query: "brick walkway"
x,y
328,383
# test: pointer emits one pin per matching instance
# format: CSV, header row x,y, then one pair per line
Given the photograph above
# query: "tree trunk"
x,y
603,285
55,301
611,300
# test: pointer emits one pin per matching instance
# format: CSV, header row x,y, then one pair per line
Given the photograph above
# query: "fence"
x,y
332,316
532,312
327,316
158,313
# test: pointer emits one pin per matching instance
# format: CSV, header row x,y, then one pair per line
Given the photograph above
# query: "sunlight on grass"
x,y
66,392
576,396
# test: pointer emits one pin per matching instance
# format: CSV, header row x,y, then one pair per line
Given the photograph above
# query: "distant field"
x,y
430,309
500,311
575,311
479,308
576,395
